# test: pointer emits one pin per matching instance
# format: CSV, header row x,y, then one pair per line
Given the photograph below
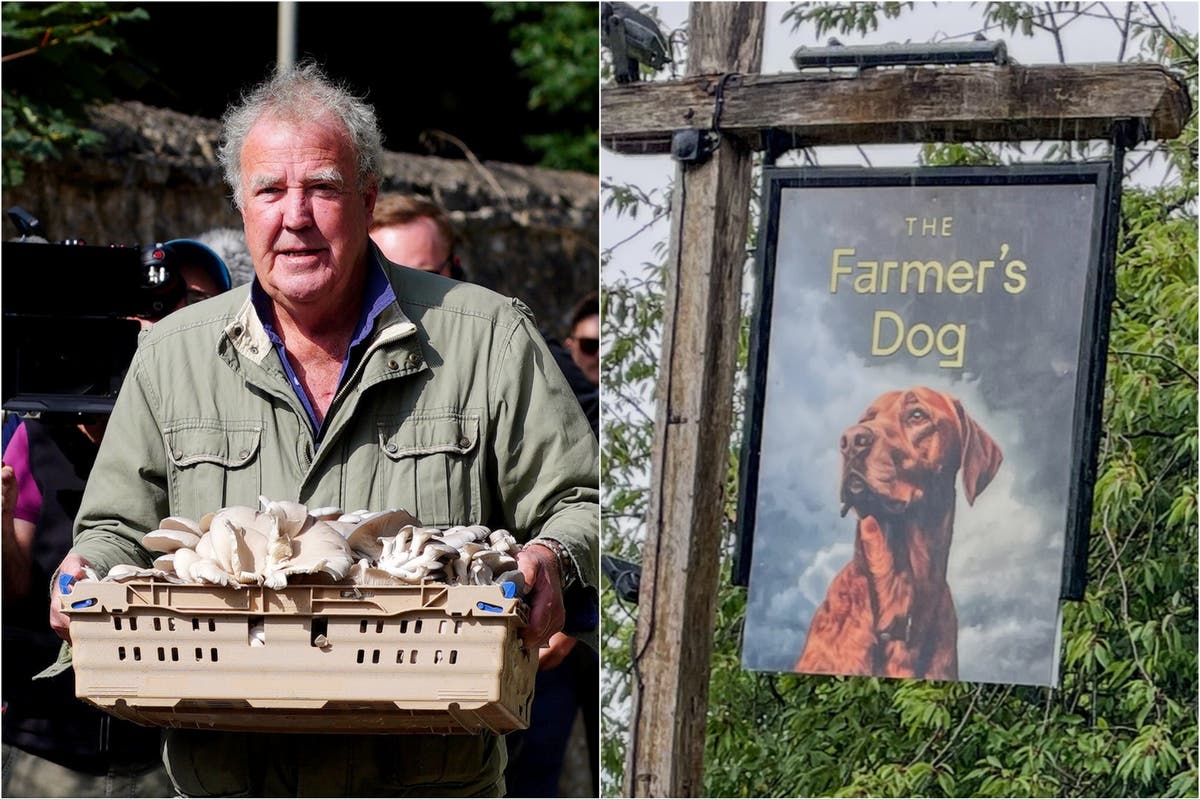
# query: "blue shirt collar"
x,y
378,294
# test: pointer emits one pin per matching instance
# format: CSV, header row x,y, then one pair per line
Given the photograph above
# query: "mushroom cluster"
x,y
243,546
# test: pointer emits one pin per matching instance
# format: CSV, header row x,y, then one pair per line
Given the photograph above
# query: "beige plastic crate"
x,y
393,659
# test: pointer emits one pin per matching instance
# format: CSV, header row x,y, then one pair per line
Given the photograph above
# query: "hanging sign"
x,y
919,451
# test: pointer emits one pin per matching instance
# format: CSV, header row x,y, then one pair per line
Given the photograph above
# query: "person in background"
x,y
417,233
330,348
55,745
584,339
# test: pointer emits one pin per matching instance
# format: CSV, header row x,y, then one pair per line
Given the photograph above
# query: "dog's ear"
x,y
981,455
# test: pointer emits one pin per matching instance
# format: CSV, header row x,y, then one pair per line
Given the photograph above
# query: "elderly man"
x,y
338,379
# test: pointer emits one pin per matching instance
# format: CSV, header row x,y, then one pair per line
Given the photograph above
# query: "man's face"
x,y
417,244
584,344
306,219
200,285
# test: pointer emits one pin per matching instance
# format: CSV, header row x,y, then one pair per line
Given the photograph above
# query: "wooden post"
x,y
682,553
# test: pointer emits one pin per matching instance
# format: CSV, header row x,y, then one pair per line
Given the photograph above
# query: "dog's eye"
x,y
916,415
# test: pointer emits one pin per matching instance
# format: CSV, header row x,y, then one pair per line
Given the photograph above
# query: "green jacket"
x,y
456,412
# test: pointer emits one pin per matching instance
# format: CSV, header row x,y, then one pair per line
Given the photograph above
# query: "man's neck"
x,y
317,341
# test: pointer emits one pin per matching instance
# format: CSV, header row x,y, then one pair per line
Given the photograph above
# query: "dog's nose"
x,y
856,441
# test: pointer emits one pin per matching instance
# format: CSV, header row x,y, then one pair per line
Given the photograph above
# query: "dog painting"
x,y
889,611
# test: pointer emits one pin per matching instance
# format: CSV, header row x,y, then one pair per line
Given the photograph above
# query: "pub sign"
x,y
926,363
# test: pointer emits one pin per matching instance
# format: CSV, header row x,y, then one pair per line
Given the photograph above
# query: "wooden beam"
x,y
892,106
682,553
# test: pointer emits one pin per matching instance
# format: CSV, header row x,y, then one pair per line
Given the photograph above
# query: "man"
x,y
416,233
54,744
339,379
584,341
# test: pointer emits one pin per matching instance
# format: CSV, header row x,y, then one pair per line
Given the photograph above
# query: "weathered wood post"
x,y
677,605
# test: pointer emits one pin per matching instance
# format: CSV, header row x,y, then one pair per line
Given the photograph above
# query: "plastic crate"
x,y
386,659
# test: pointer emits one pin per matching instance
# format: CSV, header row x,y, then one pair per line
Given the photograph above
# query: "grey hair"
x,y
301,93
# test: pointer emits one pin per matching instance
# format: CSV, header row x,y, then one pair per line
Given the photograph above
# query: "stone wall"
x,y
527,232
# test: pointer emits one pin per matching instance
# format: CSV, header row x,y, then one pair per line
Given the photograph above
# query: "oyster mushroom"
x,y
184,557
320,549
168,541
325,513
361,573
128,572
292,516
180,524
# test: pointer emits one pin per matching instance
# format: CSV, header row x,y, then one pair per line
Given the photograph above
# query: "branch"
x,y
1174,364
608,250
1170,33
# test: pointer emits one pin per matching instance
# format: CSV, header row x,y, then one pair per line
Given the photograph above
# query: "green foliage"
x,y
59,58
556,47
842,17
1123,721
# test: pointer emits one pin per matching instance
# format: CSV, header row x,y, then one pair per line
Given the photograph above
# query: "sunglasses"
x,y
588,346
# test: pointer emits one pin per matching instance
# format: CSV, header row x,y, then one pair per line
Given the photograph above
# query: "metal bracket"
x,y
695,145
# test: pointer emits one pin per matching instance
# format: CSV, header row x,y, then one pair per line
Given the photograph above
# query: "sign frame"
x,y
1099,291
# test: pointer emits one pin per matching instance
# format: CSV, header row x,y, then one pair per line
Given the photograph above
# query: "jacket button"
x,y
244,454
254,349
393,364
178,454
237,330
464,443
414,359
391,448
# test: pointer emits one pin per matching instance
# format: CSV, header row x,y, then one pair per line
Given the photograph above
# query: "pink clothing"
x,y
29,496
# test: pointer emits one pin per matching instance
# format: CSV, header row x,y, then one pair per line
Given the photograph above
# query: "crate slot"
x,y
256,632
121,653
319,632
137,654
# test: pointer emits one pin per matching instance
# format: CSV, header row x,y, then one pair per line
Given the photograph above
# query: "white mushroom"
x,y
128,572
168,541
184,558
292,516
180,524
325,513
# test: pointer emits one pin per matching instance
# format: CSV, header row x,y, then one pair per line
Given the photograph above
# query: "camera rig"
x,y
70,312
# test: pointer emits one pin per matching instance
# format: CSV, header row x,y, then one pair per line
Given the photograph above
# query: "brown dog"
x,y
889,611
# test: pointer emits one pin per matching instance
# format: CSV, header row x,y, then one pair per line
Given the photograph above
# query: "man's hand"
x,y
554,653
72,565
543,586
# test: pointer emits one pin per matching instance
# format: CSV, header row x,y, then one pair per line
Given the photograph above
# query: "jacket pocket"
x,y
431,467
213,464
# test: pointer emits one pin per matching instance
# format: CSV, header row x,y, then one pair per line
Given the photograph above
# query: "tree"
x,y
59,58
556,47
1123,721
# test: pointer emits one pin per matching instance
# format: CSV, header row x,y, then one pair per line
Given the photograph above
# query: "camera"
x,y
69,317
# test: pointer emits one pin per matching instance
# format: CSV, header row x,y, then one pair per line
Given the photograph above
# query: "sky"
x,y
989,609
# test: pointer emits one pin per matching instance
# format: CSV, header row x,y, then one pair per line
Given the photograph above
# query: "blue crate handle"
x,y
65,582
